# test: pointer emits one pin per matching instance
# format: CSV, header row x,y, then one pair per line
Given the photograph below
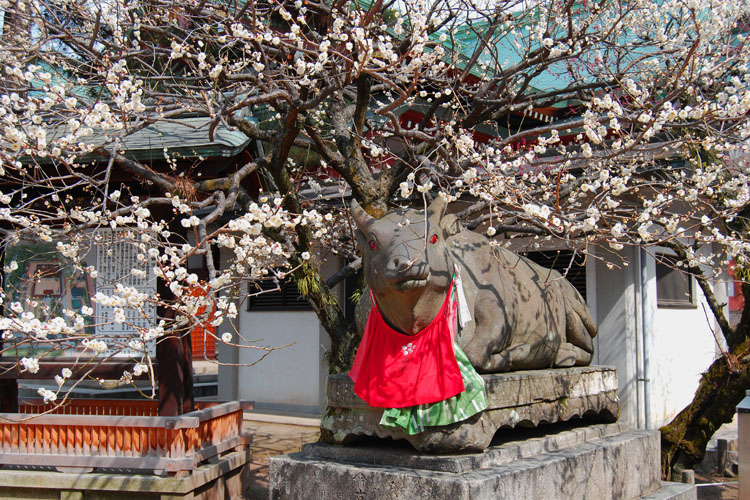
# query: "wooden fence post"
x,y
8,395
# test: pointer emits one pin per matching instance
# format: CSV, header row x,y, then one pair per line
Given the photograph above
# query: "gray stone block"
x,y
517,399
674,491
615,465
393,454
224,478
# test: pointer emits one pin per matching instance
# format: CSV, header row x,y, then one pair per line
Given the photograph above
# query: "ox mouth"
x,y
412,283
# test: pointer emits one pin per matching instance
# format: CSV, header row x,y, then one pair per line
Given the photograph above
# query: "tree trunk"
x,y
722,387
344,340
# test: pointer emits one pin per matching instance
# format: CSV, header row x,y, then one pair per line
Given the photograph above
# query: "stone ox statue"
x,y
524,316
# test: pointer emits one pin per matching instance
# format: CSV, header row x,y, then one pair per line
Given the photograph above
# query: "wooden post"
x,y
170,353
9,395
175,373
188,402
721,456
8,387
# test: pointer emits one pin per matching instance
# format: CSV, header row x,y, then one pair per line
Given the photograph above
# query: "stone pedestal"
x,y
577,460
594,462
518,399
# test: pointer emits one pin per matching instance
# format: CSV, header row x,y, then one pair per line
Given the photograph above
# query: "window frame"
x,y
690,301
559,259
290,299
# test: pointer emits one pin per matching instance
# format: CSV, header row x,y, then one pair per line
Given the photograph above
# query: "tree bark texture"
x,y
722,387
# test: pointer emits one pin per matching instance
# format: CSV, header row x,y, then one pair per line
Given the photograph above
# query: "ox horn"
x,y
361,218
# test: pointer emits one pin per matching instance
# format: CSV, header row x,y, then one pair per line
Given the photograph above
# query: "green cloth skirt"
x,y
414,419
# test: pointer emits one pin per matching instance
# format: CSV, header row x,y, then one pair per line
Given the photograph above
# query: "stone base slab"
x,y
222,479
389,453
597,463
517,399
674,491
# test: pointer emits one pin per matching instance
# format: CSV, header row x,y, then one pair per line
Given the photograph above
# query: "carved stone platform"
x,y
602,461
518,399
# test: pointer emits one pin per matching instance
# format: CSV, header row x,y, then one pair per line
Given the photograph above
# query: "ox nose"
x,y
403,266
399,264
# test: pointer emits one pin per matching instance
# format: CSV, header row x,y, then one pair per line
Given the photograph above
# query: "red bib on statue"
x,y
394,370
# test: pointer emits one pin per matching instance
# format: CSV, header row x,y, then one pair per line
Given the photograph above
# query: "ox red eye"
x,y
373,245
433,239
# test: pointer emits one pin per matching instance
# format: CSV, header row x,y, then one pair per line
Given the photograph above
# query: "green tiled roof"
x,y
184,137
187,137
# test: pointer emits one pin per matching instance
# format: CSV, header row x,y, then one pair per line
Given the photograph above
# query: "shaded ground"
x,y
271,439
705,472
718,492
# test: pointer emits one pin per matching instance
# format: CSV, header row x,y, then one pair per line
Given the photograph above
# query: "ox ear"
x,y
450,225
361,240
361,218
436,210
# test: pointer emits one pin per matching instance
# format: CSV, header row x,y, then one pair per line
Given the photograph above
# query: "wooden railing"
x,y
118,407
89,434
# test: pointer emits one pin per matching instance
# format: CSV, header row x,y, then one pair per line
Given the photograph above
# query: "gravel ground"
x,y
722,488
271,439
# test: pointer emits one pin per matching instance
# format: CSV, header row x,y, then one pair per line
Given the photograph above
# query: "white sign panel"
x,y
116,259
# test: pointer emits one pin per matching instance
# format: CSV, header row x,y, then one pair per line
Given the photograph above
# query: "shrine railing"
x,y
83,435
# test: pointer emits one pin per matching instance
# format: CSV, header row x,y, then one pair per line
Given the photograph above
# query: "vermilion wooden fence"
x,y
89,434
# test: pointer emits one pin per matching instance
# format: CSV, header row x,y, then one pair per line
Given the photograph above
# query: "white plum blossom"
x,y
383,106
30,365
534,210
47,395
618,230
139,369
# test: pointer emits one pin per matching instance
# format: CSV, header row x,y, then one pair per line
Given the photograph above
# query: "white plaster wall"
x,y
680,348
615,345
289,376
289,379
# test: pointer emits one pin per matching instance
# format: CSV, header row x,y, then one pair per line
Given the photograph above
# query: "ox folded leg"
x,y
569,355
517,356
576,331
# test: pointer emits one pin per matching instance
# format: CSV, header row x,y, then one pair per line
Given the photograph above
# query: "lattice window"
x,y
281,295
